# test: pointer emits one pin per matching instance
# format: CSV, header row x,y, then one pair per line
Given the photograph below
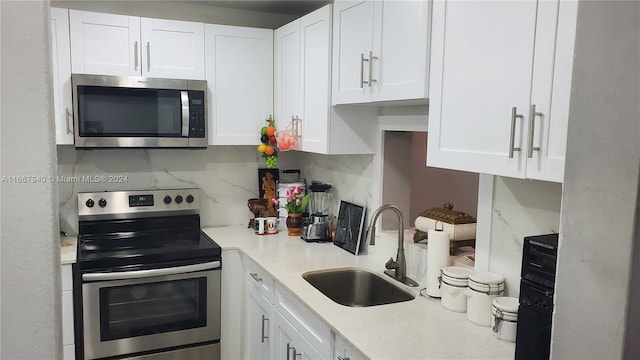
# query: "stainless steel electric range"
x,y
147,279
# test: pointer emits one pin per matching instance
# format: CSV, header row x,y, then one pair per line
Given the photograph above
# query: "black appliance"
x,y
147,279
537,281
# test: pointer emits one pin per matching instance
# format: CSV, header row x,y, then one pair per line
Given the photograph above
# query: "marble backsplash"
x,y
226,175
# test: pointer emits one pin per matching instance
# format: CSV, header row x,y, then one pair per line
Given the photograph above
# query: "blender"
x,y
318,225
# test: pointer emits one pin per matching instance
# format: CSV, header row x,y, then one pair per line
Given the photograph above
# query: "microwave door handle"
x,y
124,275
184,97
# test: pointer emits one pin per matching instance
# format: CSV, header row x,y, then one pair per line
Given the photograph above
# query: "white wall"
x,y
520,208
600,186
30,265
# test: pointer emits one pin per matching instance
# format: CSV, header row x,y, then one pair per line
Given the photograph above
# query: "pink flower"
x,y
275,201
297,190
298,202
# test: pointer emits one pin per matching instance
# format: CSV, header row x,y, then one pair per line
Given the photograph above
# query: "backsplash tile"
x,y
227,176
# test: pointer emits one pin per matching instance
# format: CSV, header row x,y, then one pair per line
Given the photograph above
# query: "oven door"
x,y
148,310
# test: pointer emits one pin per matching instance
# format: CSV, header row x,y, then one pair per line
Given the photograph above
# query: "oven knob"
x,y
178,199
89,203
167,199
102,202
189,199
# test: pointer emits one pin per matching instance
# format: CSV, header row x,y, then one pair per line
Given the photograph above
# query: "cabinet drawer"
x,y
301,317
67,279
260,279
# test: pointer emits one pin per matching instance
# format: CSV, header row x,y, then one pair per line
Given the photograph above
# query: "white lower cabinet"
x,y
277,325
258,330
232,286
343,351
297,330
67,314
290,343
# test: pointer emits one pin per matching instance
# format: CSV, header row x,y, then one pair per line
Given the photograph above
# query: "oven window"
x,y
126,112
151,308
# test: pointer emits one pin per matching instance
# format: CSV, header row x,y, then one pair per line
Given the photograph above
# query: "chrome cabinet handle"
x,y
135,55
289,348
514,116
148,57
532,125
256,277
69,115
264,319
371,58
362,60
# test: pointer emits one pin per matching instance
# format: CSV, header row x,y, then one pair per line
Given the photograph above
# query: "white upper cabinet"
x,y
286,49
380,51
499,94
61,72
239,73
172,49
108,44
303,88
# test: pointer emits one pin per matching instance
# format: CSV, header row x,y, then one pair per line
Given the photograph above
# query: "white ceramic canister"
x,y
453,283
504,318
483,288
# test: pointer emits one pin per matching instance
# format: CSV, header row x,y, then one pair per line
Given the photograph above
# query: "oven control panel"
x,y
143,203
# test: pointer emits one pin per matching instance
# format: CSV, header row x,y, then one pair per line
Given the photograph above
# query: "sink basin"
x,y
356,287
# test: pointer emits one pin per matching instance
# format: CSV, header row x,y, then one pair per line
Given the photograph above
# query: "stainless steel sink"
x,y
356,287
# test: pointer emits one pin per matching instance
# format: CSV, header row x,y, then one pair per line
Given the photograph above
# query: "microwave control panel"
x,y
196,114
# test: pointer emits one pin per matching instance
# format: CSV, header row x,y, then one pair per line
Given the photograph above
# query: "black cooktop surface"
x,y
144,243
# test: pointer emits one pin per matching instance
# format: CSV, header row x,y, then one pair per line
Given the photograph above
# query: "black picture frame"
x,y
350,226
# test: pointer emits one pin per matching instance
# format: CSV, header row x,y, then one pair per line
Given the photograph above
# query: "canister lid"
x,y
486,278
456,272
506,304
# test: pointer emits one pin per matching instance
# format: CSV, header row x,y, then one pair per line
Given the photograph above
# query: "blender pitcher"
x,y
318,227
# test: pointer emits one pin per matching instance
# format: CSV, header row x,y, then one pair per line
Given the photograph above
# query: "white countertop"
x,y
416,329
68,246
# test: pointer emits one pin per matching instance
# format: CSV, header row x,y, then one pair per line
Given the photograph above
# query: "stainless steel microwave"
x,y
138,112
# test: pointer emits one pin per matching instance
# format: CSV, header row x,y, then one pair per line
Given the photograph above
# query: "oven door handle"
x,y
123,275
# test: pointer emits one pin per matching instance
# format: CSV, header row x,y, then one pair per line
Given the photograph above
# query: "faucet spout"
x,y
398,268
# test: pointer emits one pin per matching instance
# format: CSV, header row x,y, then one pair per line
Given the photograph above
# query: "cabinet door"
x,y
344,351
402,66
551,88
479,73
172,49
61,71
239,70
315,60
352,42
287,73
231,326
258,332
105,44
307,351
285,338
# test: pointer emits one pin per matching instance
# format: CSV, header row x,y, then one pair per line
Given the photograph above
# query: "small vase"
x,y
294,224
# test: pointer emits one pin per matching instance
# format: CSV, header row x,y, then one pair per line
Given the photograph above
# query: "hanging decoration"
x,y
268,146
